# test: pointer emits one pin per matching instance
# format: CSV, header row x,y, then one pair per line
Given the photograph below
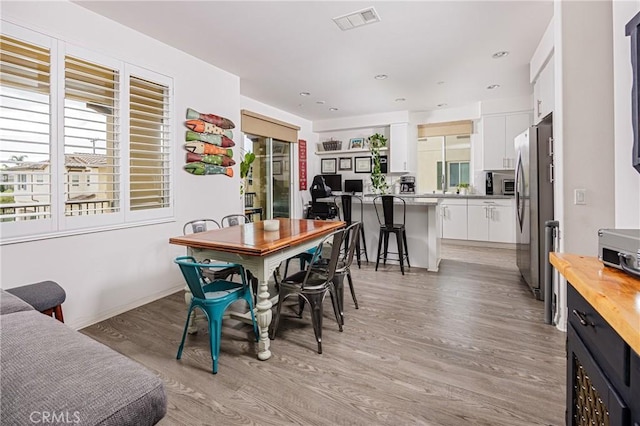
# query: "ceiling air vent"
x,y
357,19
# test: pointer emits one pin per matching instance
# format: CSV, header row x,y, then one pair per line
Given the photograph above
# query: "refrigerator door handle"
x,y
519,190
551,176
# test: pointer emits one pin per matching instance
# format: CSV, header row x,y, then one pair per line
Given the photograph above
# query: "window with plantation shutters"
x,y
84,140
149,145
91,138
25,135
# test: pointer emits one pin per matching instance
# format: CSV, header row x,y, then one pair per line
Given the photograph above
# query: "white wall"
x,y
583,122
627,179
106,273
304,133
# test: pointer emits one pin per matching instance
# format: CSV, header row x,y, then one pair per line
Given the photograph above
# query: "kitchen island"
x,y
422,225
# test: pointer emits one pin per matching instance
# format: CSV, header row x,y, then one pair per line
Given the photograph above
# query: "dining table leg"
x,y
263,317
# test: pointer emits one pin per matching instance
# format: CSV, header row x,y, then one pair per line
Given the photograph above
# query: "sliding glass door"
x,y
269,182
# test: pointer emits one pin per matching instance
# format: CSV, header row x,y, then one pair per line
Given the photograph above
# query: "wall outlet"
x,y
580,197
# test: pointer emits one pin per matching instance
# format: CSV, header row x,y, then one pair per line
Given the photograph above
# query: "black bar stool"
x,y
388,226
347,202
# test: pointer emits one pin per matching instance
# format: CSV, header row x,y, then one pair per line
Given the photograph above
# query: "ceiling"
x,y
434,52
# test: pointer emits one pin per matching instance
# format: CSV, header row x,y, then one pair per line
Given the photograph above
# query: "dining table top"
x,y
252,239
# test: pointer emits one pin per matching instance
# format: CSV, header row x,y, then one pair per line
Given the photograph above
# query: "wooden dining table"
x,y
261,252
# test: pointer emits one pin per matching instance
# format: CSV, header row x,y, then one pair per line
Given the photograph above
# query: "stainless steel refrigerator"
x,y
534,201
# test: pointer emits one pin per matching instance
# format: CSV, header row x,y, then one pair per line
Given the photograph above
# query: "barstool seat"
x,y
388,226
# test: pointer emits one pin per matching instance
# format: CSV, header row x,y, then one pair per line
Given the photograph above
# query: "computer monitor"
x,y
353,185
334,182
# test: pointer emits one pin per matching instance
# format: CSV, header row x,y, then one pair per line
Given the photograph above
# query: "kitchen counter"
x,y
441,195
613,293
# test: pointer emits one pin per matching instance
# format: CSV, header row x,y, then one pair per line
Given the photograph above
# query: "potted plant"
x,y
463,188
378,179
245,167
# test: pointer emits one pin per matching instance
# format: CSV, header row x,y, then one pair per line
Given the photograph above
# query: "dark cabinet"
x,y
603,383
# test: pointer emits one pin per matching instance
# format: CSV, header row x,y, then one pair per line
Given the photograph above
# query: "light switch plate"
x,y
580,197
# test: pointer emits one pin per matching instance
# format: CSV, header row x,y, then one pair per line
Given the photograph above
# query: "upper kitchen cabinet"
x,y
398,147
543,92
498,133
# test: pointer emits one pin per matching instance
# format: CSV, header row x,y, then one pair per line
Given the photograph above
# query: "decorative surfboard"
x,y
219,140
202,148
204,127
222,122
207,169
218,160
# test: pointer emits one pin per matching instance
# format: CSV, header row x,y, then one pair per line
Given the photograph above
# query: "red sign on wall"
x,y
302,163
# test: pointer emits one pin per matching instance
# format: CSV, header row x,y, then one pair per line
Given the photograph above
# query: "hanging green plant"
x,y
378,179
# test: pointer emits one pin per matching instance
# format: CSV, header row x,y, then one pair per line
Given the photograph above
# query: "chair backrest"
x,y
234,220
335,238
249,199
351,234
192,272
349,202
199,225
386,204
319,188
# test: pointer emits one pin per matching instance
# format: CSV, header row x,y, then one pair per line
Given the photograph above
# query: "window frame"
x,y
59,225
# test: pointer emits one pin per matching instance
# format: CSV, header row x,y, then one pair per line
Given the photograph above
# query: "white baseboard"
x,y
82,323
471,243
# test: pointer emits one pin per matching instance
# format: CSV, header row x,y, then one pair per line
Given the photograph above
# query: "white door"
x,y
502,224
493,139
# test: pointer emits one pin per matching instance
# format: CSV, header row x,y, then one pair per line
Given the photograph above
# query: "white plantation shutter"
x,y
25,131
84,140
149,146
91,138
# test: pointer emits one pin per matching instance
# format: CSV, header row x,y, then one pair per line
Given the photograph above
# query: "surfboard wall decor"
x,y
208,144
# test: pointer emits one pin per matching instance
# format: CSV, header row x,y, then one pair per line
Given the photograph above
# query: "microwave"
x,y
508,186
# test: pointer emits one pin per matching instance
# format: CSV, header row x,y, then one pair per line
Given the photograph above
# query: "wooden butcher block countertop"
x,y
613,293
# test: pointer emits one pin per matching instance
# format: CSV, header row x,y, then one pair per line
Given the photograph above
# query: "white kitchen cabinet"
x,y
544,92
398,141
498,133
454,219
491,220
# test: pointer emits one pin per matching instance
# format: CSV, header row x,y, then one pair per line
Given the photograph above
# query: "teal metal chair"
x,y
213,299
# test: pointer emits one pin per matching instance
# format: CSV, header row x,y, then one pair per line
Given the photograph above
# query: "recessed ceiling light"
x,y
304,93
500,54
493,86
381,77
442,105
333,109
440,83
320,102
400,99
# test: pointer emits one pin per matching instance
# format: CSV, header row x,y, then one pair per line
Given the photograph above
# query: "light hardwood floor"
x,y
463,346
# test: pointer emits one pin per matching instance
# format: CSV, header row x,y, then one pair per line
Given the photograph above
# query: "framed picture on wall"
x,y
345,163
356,143
363,165
277,167
328,166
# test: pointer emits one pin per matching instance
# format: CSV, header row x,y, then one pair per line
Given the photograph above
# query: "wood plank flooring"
x,y
464,346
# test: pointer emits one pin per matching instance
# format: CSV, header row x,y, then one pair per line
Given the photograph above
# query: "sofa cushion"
x,y
10,303
51,370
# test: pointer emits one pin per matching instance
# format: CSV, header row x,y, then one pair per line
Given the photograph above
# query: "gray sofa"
x,y
53,374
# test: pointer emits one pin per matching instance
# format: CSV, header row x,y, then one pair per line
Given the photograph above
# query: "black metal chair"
x,y
312,285
348,201
343,269
384,206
